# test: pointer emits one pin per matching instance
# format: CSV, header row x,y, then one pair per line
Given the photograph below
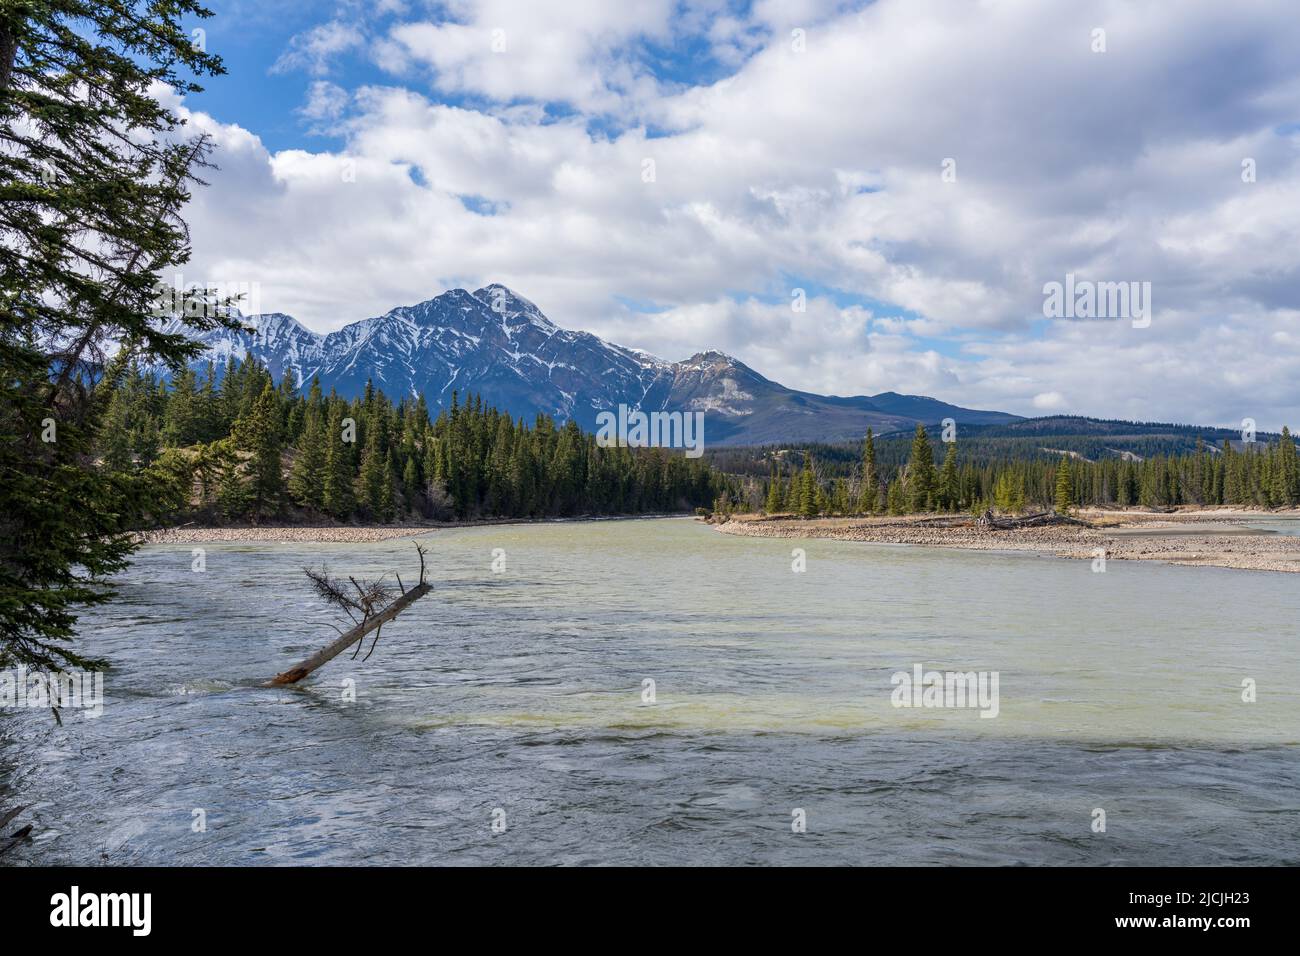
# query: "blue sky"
x,y
250,38
667,174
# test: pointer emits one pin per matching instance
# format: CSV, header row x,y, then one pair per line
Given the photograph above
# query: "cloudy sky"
x,y
668,174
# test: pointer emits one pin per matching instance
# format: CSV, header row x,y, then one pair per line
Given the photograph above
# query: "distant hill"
x,y
1097,438
1092,439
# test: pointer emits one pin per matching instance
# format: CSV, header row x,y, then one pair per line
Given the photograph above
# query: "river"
x,y
505,718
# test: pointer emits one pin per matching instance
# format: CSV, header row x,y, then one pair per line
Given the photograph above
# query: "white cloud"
x,y
325,101
314,50
572,52
821,168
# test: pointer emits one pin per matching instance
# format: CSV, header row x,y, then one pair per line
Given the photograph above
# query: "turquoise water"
x,y
518,697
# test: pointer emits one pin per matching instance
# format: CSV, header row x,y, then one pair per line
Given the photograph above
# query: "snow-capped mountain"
x,y
497,344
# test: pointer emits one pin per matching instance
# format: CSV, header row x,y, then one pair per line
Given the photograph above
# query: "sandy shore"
x,y
1216,538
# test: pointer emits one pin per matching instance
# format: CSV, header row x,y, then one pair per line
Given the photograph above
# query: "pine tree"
x,y
870,477
234,489
774,500
307,478
410,483
920,472
523,476
258,432
949,496
823,499
115,434
92,185
1009,492
336,490
1288,471
1064,487
183,423
145,440
371,480
386,508
505,468
896,497
809,505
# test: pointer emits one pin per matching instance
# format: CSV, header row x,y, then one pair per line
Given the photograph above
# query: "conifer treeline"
x,y
1266,475
230,444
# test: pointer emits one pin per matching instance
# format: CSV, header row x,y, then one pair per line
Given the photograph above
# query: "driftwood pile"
x,y
989,521
1006,523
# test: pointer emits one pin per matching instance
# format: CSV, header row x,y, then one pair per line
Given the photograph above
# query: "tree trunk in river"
x,y
367,595
327,654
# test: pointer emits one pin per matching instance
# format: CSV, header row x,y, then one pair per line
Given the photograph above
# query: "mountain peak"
x,y
270,325
509,304
709,357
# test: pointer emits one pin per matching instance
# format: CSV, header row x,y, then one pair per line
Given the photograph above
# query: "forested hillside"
x,y
230,444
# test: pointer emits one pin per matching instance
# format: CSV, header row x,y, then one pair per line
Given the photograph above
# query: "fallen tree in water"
x,y
374,601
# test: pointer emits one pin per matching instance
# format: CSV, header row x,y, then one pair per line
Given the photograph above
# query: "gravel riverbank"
x,y
1211,538
341,535
349,534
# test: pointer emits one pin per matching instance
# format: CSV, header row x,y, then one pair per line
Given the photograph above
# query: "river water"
x,y
505,719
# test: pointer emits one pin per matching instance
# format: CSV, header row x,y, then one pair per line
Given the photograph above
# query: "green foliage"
x,y
921,480
775,502
257,432
809,503
896,497
949,495
1064,487
337,498
371,460
1261,474
1009,491
93,178
92,187
870,483
306,480
374,487
61,523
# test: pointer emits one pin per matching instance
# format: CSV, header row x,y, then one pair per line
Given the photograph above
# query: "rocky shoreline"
x,y
1178,538
345,534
